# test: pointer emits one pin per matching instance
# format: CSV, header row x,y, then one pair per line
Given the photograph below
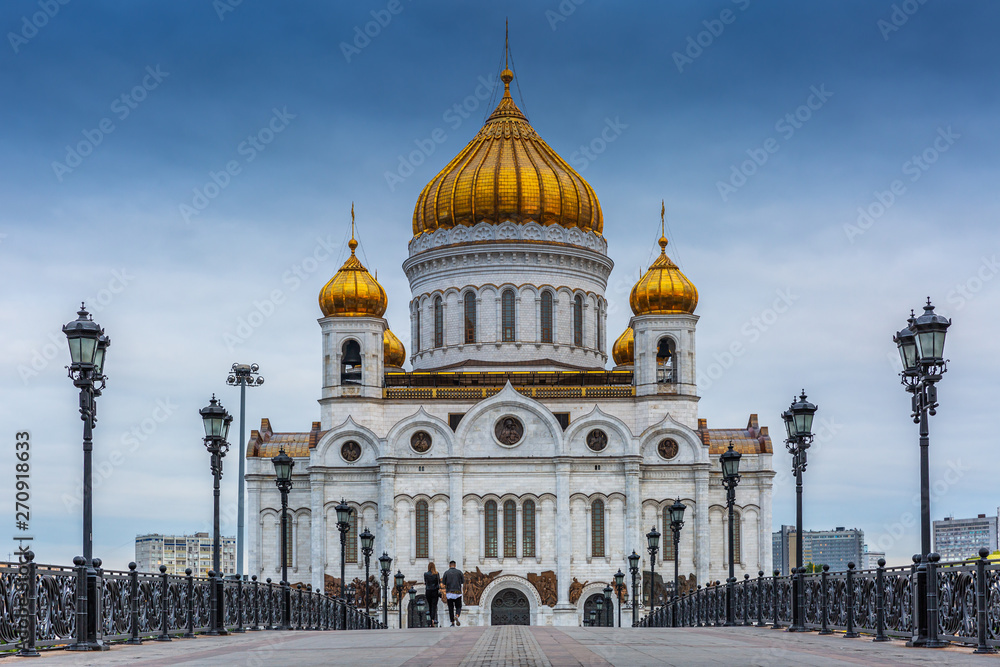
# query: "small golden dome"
x,y
507,172
663,288
352,291
623,351
393,352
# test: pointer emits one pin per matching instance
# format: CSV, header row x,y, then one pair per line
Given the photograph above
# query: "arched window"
x,y
470,317
509,529
528,528
507,315
491,529
578,321
666,361
416,343
351,547
350,363
668,537
597,529
438,322
597,321
422,529
288,537
546,317
737,523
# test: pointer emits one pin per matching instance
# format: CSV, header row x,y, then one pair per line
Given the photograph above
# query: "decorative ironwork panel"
x,y
510,607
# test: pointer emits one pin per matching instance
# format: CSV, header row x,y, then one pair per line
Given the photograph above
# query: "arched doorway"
x,y
510,607
591,604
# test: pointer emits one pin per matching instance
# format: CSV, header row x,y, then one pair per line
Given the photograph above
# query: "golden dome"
x,y
507,172
623,351
393,352
663,288
352,291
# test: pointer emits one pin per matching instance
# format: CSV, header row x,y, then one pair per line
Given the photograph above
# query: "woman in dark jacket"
x,y
432,584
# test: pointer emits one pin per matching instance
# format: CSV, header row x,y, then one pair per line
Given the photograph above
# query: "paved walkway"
x,y
521,646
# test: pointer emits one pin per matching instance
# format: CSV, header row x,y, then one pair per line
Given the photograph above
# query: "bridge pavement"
x,y
511,646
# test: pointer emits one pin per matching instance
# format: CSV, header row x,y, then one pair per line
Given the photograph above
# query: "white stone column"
x,y
764,527
385,536
564,541
633,508
519,533
701,534
456,513
317,529
255,559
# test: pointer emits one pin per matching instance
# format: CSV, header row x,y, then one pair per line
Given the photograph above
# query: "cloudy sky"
x,y
188,169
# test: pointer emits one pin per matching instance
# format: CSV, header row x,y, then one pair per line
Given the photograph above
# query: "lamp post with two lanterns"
x,y
385,564
798,426
216,421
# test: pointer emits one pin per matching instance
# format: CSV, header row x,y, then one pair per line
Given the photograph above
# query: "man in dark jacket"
x,y
453,580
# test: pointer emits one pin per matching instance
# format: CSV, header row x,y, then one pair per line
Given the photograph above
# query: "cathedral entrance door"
x,y
510,607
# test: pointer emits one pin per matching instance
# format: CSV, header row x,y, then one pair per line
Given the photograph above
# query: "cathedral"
x,y
508,445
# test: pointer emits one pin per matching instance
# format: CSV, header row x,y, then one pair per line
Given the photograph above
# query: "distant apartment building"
x,y
179,552
835,548
869,559
958,539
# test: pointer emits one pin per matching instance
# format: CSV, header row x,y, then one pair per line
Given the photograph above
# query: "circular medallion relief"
x,y
667,448
597,440
420,441
350,451
509,431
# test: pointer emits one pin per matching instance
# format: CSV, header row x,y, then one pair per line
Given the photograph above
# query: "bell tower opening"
x,y
350,363
666,361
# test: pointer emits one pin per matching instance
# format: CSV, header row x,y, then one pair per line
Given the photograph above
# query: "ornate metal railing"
x,y
139,605
880,602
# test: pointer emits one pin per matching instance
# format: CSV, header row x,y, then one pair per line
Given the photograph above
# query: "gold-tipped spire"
x,y
352,244
352,291
663,233
663,288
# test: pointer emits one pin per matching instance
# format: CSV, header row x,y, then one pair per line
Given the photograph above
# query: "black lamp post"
x,y
243,375
619,587
798,426
921,349
599,616
400,585
609,607
385,564
653,542
412,606
367,549
283,464
87,349
676,523
343,525
730,461
633,569
216,421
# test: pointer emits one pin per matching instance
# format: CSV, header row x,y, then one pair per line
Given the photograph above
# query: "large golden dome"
x,y
353,291
663,288
393,352
507,172
623,351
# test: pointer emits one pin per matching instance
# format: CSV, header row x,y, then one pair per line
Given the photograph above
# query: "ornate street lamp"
x,y
343,525
216,421
798,426
283,464
412,606
619,587
653,542
633,569
385,564
599,616
87,349
730,461
367,549
400,585
243,375
609,607
676,523
921,349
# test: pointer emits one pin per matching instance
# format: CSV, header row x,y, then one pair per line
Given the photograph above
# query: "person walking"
x,y
432,591
453,580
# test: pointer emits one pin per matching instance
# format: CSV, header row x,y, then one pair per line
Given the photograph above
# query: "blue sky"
x,y
184,165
